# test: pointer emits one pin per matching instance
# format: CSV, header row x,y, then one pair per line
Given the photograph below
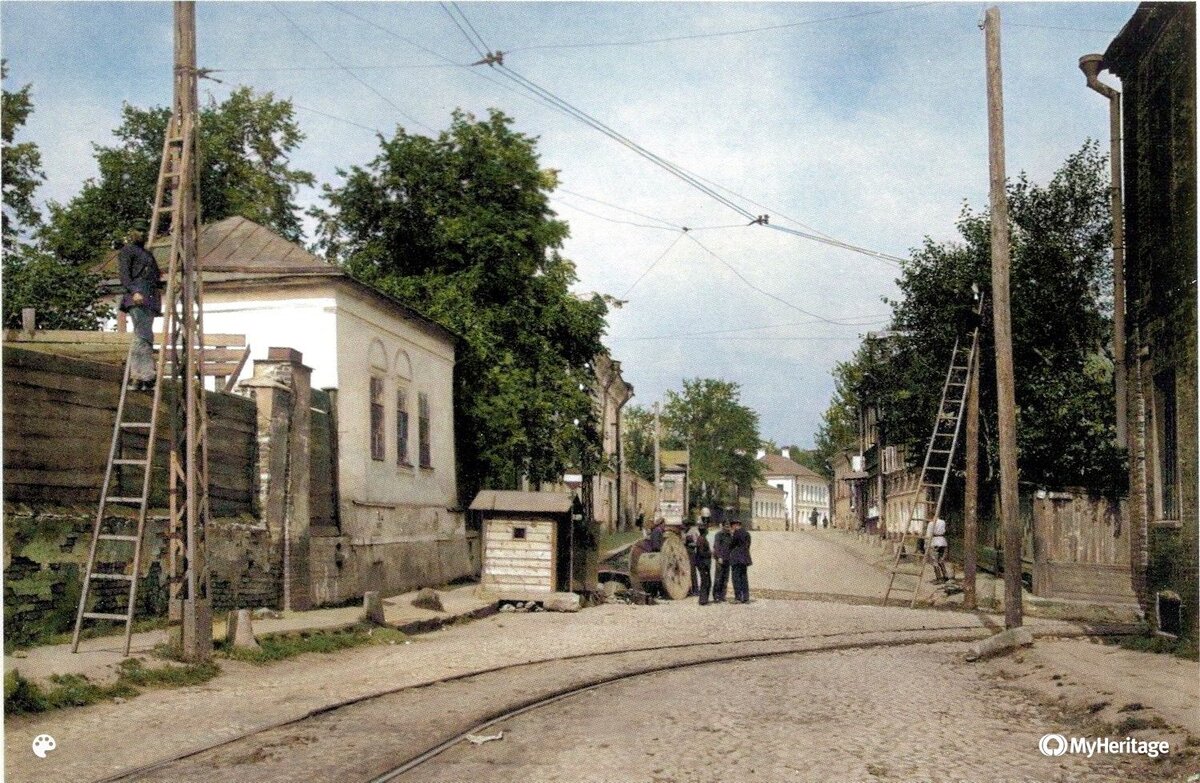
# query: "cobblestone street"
x,y
871,700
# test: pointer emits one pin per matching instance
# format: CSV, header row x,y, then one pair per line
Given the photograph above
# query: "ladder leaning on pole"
x,y
939,456
126,431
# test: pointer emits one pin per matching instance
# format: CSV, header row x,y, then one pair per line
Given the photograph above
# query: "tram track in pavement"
x,y
371,737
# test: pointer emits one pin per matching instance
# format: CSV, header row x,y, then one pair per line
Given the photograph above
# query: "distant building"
x,y
849,484
806,491
673,485
768,508
1155,58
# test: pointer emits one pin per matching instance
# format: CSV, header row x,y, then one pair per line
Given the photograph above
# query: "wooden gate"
x,y
1081,547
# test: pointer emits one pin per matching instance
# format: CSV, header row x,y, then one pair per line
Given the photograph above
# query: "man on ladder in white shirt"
x,y
935,537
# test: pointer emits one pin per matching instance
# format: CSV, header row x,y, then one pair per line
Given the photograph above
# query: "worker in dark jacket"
x,y
739,561
702,562
141,279
720,550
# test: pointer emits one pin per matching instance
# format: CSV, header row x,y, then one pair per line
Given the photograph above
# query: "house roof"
x,y
768,489
779,465
673,459
510,500
1141,33
239,252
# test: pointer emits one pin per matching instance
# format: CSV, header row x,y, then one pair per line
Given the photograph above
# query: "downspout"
x,y
620,457
1091,65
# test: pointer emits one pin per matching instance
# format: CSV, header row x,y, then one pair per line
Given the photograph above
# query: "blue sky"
x,y
865,122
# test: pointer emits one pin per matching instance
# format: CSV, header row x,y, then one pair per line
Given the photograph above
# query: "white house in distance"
x,y
805,490
398,524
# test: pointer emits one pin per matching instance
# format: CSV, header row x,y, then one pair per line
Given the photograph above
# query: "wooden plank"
x,y
503,554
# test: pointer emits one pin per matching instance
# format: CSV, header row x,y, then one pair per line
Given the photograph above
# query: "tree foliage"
x,y
20,164
245,143
460,227
721,434
1061,316
637,432
64,296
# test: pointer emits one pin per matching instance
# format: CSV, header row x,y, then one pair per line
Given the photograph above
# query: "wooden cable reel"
x,y
671,567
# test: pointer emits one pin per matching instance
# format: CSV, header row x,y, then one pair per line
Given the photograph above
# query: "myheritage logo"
x,y
1058,745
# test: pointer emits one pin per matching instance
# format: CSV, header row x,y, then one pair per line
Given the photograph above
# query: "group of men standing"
x,y
730,548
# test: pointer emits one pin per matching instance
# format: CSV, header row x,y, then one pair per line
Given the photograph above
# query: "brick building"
x,y
1155,56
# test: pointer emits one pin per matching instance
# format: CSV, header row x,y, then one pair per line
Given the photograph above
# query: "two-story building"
x,y
806,492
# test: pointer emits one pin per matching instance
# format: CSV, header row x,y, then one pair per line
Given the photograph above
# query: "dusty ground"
x,y
103,739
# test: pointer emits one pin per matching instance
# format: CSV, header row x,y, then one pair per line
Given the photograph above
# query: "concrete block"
x,y
373,607
239,632
563,602
1001,643
428,598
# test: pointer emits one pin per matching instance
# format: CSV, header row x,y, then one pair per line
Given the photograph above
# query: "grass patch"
x,y
23,696
610,541
277,647
1153,643
1134,723
64,690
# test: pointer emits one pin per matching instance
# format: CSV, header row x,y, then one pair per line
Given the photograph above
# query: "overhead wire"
x,y
663,255
351,73
718,34
462,30
614,220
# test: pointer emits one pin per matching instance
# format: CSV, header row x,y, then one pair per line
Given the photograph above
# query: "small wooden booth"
x,y
535,544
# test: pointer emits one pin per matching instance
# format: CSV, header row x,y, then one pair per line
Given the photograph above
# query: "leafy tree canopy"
x,y
245,143
460,227
721,434
21,164
1061,314
637,432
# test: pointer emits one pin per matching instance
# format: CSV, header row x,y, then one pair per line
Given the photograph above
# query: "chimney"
x,y
761,453
785,453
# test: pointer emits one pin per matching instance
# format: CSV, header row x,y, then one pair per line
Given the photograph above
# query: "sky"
x,y
864,122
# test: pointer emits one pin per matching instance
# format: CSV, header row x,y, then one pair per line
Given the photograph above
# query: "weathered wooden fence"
x,y
58,419
1081,547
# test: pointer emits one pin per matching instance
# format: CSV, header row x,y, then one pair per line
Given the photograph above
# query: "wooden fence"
x,y
1081,547
58,420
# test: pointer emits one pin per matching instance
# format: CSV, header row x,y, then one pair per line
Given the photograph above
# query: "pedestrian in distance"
x,y
739,561
702,562
141,279
935,532
720,551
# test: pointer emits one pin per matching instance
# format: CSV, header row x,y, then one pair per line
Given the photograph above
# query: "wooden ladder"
x,y
175,160
939,457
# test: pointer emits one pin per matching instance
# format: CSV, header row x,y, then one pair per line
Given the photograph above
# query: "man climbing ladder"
x,y
141,279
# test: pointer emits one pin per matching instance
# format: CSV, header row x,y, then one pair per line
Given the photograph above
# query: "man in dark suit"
x,y
720,550
702,562
140,277
739,561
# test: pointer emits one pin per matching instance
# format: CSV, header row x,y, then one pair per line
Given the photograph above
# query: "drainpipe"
x,y
1091,64
620,457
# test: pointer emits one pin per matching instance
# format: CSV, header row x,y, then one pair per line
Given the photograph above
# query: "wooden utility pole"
x,y
177,217
657,485
971,491
1002,324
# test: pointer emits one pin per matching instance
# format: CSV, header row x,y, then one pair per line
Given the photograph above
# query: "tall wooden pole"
x,y
971,493
1002,324
657,484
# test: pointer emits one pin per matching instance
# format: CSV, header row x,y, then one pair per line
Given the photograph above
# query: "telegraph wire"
x,y
670,247
468,21
461,29
545,97
595,44
351,73
617,207
614,220
890,259
762,291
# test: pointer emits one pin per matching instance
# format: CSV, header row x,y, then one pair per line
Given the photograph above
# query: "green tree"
x,y
721,434
1061,294
245,143
20,164
460,227
637,432
64,296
